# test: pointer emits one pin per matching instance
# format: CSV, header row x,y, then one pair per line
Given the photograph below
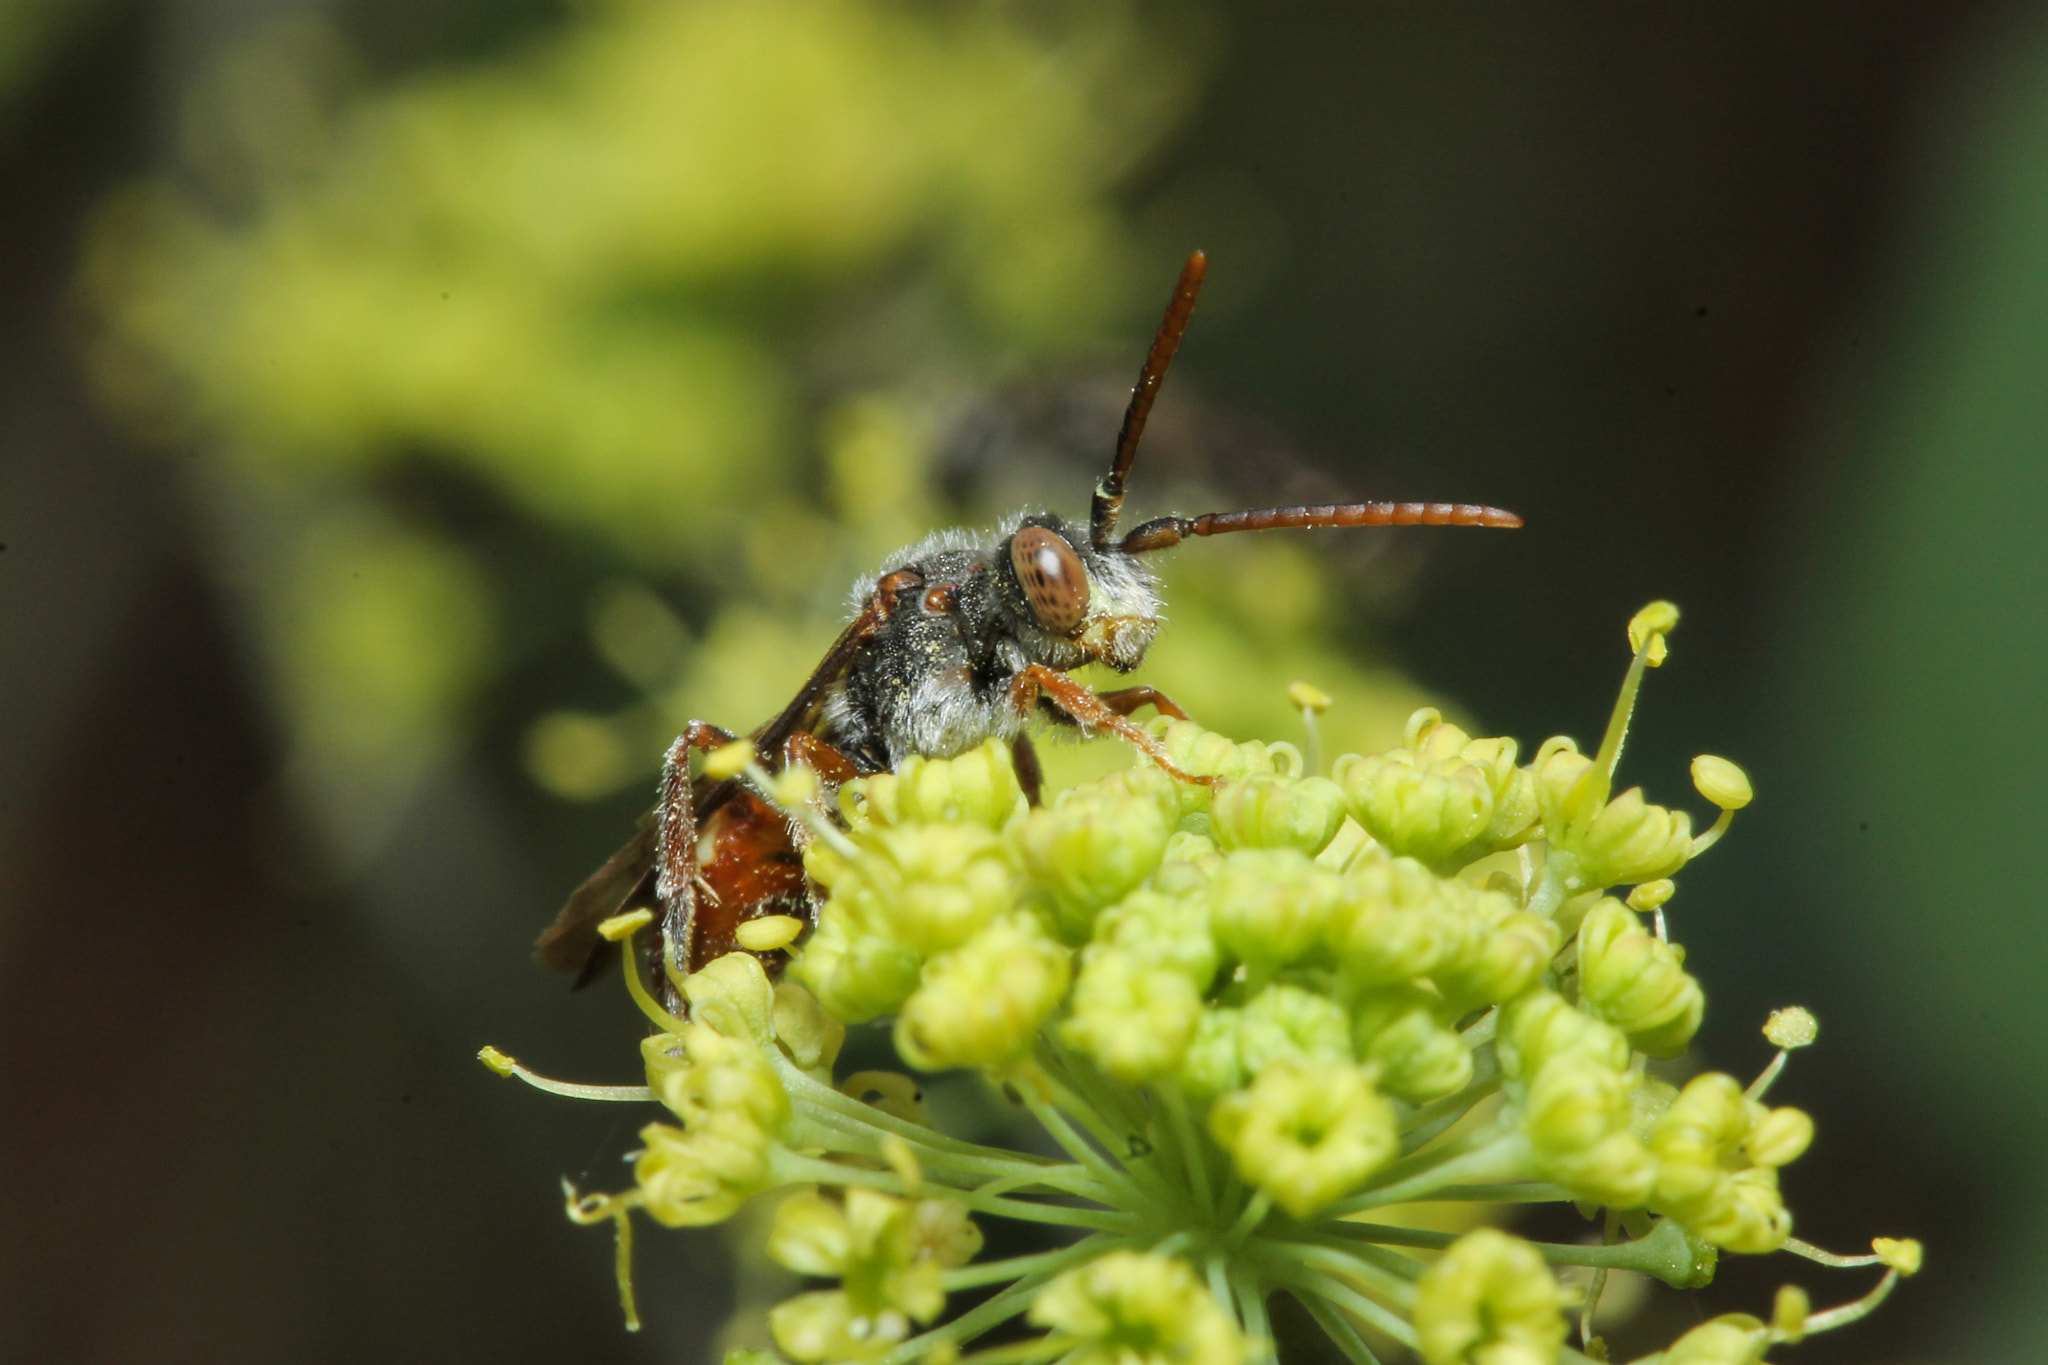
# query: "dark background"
x,y
1725,298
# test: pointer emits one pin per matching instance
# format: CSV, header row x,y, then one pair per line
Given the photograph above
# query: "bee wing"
x,y
571,943
803,709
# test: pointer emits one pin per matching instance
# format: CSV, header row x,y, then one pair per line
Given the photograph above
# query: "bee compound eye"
x,y
1053,580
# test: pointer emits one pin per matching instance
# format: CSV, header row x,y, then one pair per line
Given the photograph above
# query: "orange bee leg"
x,y
821,758
1125,700
676,881
1080,703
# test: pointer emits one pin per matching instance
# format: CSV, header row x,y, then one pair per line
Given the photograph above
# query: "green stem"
x,y
1375,1252
1114,1179
848,1135
1661,1253
1339,1329
1551,889
1193,1155
1219,1281
1514,1192
1849,1312
1431,1119
1093,1111
1380,1317
791,1168
1251,1311
971,1324
1499,1158
979,1273
1609,757
805,1088
1395,1280
1255,1211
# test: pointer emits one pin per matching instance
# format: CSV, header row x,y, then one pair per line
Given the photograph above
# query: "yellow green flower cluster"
x,y
1252,1005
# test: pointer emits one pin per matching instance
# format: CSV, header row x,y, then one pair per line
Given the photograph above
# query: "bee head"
x,y
1071,603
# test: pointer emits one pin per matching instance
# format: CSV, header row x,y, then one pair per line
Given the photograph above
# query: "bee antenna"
x,y
1165,532
1109,494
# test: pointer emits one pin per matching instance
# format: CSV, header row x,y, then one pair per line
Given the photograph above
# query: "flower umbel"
x,y
1253,1013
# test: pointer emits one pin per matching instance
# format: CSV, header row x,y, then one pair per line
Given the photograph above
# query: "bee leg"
x,y
1030,775
1088,710
675,845
1125,700
821,758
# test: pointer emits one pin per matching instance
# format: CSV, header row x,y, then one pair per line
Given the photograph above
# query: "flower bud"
x,y
1650,626
929,886
1903,1254
1721,782
856,973
1308,697
811,1235
701,1176
1392,921
1654,895
1133,1017
1570,789
1135,1308
824,1326
1091,850
887,1252
1287,1022
1147,781
1206,754
1504,959
1779,1137
1489,1300
700,1073
732,995
1270,905
1197,851
810,1036
1631,841
1790,1308
981,1003
1731,1339
1542,1025
1793,1026
1699,1144
729,760
1270,812
1165,930
1426,811
1419,1056
1211,1064
1576,1114
1306,1134
978,787
1634,980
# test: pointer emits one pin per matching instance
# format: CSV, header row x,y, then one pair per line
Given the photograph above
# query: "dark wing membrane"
x,y
803,710
571,943
626,881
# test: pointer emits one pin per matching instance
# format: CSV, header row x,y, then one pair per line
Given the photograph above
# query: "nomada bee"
x,y
963,637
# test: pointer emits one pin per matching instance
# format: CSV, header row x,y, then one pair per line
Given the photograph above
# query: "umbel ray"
x,y
963,637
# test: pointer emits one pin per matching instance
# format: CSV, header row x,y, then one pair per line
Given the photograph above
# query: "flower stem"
x,y
979,1273
1358,1306
790,1168
1499,1157
1339,1329
971,1324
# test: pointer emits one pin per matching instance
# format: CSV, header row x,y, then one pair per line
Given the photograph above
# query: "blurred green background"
x,y
411,412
